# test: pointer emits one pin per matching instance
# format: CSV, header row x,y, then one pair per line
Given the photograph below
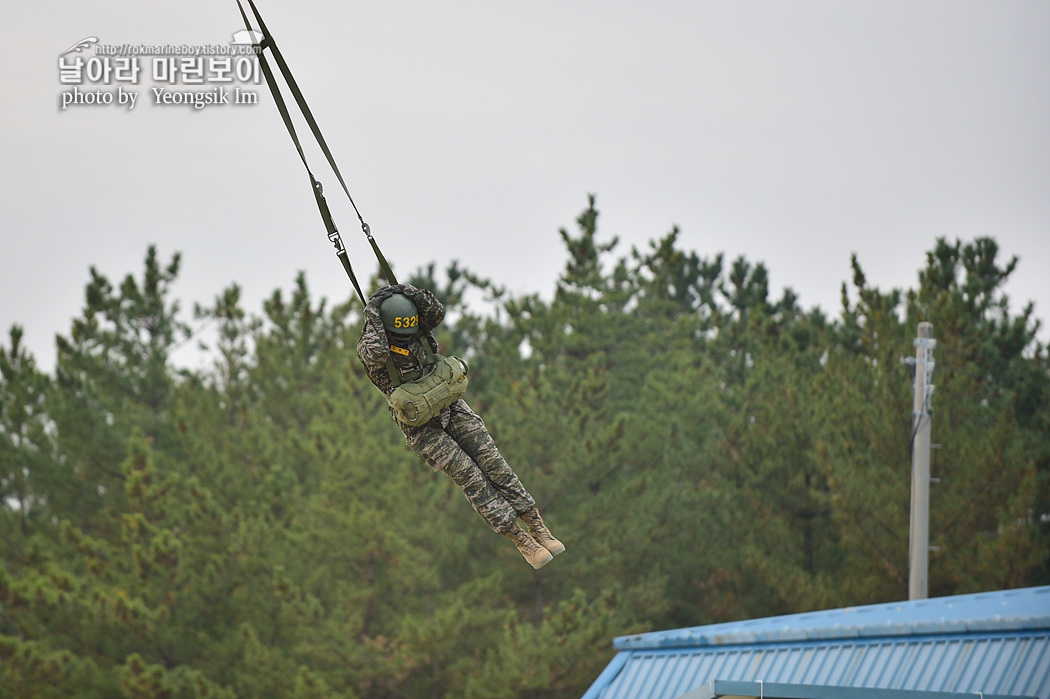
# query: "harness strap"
x,y
333,234
322,205
396,377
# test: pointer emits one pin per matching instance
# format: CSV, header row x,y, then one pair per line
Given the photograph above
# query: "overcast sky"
x,y
793,133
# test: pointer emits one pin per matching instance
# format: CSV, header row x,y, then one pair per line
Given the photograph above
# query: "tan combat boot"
x,y
540,533
536,555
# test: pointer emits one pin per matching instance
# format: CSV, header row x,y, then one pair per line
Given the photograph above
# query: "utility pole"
x,y
922,411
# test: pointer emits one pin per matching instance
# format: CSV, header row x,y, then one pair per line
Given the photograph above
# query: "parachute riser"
x,y
333,235
268,42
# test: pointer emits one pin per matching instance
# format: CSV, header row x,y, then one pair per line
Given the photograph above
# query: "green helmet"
x,y
400,317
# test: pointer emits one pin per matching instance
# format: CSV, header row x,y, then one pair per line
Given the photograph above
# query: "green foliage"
x,y
258,528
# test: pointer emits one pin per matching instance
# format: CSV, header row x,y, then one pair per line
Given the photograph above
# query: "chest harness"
x,y
421,394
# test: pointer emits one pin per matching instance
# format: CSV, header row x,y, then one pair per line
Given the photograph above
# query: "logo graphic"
x,y
84,43
246,37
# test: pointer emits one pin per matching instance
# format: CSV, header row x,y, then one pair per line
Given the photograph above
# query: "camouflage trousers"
x,y
464,450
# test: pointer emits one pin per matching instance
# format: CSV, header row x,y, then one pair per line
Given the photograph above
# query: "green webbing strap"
x,y
395,373
333,233
315,186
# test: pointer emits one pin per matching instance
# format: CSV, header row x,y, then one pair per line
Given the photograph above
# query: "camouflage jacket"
x,y
373,348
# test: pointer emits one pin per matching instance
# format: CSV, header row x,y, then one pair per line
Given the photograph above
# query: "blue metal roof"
x,y
993,643
718,689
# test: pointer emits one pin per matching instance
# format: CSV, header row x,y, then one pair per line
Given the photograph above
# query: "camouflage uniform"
x,y
456,442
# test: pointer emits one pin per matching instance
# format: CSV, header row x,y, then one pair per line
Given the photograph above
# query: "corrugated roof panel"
x,y
721,689
673,676
983,611
933,665
962,664
1029,659
997,642
1028,676
777,662
876,665
994,667
1044,672
1034,662
1025,663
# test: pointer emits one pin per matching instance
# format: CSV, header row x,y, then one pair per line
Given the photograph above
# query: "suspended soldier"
x,y
399,352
